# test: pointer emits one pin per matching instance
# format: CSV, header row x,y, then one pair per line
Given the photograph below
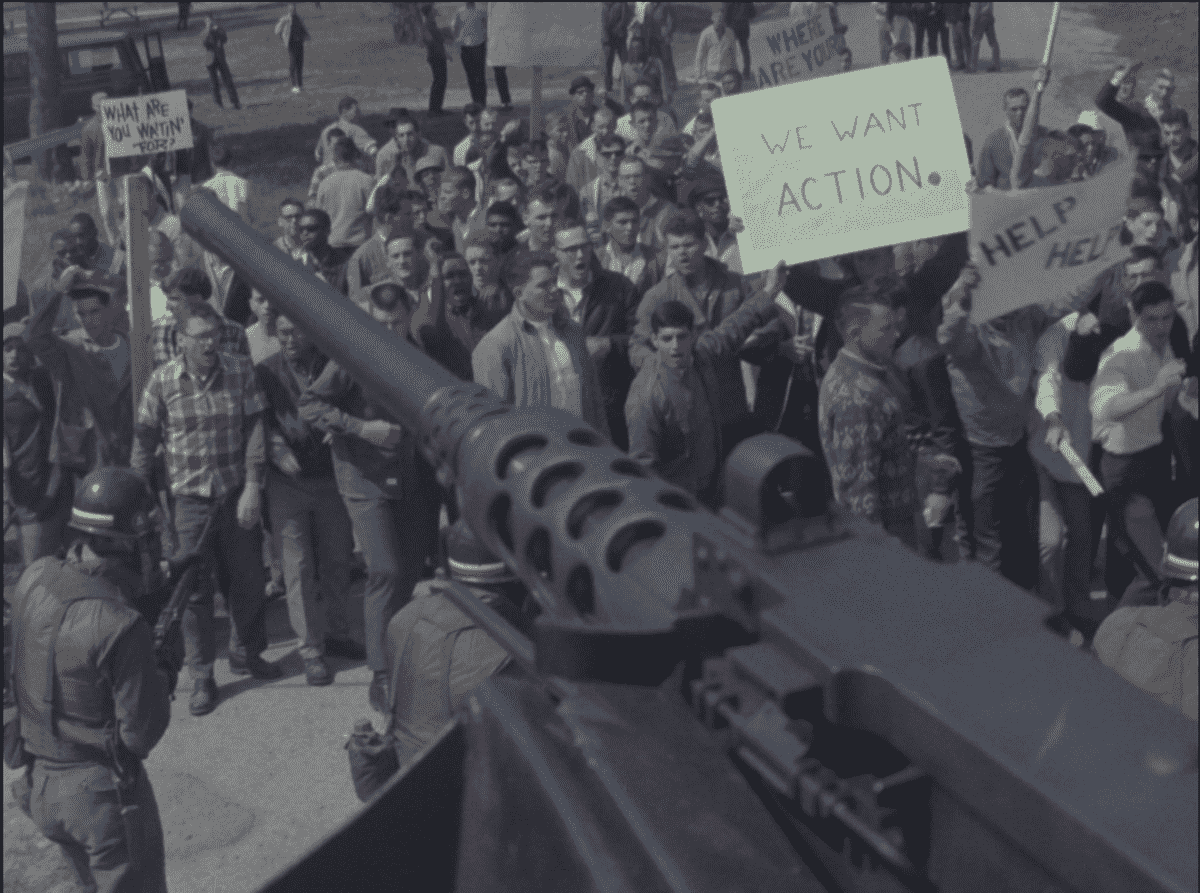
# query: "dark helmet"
x,y
470,561
113,502
1179,554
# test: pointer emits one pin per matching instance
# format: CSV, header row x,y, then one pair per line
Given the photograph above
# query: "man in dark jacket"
x,y
92,694
301,490
605,304
214,38
388,489
1141,128
451,324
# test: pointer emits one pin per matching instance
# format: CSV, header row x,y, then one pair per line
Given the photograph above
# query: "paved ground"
x,y
246,790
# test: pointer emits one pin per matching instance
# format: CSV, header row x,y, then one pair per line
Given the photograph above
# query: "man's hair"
x,y
901,49
620,204
1174,115
461,177
294,202
544,197
672,315
404,116
605,111
415,237
472,109
854,306
1148,294
1014,93
478,239
84,219
629,159
1139,253
449,255
344,149
643,82
388,201
521,271
320,216
346,103
82,294
684,222
189,281
537,146
334,133
61,235
705,118
611,140
505,209
566,226
490,112
643,106
220,155
200,310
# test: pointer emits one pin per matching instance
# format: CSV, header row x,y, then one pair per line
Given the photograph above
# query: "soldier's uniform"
x,y
92,703
1155,647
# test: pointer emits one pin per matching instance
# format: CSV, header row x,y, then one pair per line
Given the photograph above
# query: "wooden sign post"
x,y
138,196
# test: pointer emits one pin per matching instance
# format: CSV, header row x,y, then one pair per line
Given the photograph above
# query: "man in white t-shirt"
x,y
472,113
232,190
666,124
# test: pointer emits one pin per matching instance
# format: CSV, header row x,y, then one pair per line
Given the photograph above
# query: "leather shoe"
x,y
204,697
378,694
253,666
316,672
347,648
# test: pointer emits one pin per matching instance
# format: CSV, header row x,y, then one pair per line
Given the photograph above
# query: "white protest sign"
x,y
526,34
844,163
1034,245
795,49
144,125
15,194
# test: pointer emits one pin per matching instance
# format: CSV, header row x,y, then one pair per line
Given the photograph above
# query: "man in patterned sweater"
x,y
861,416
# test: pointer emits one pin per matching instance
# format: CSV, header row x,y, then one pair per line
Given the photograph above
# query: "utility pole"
x,y
44,107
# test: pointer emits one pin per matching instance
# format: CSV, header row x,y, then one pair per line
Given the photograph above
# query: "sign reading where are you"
x,y
144,125
844,163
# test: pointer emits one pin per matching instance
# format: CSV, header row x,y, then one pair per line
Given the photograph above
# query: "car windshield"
x,y
91,59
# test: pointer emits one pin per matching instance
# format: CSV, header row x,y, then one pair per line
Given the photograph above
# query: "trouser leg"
x,y
885,42
335,547
215,78
1133,483
437,88
240,573
291,514
198,625
610,54
227,75
296,64
987,476
1077,554
501,74
390,572
1052,538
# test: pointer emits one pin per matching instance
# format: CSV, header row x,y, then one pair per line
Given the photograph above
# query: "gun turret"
x,y
895,724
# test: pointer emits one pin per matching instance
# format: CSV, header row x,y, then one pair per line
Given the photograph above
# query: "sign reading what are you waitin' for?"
x,y
844,163
145,125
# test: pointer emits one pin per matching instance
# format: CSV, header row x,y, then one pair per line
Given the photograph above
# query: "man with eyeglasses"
x,y
605,305
290,212
593,198
205,408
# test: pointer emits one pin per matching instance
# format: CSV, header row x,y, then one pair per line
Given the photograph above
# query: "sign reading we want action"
x,y
844,163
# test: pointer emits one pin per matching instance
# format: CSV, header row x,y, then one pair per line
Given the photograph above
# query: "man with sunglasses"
x,y
317,254
710,199
593,198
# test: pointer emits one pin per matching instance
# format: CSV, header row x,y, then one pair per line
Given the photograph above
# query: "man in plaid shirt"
x,y
185,289
205,409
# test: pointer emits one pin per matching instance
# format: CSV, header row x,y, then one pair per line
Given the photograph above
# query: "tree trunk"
x,y
44,106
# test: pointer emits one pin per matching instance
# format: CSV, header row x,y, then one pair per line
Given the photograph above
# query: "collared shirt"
x,y
1129,364
566,392
573,297
637,266
871,462
201,425
666,128
581,166
232,190
716,54
164,340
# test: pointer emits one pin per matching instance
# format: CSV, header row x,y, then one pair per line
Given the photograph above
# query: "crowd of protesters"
x,y
593,267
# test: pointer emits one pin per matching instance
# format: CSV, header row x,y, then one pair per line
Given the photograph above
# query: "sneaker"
x,y
204,697
378,694
347,648
316,671
253,666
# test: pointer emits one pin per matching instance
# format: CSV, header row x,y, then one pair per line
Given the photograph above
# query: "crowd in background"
x,y
593,267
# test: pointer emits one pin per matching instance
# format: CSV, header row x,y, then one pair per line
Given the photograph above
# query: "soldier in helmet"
x,y
92,694
1155,647
437,654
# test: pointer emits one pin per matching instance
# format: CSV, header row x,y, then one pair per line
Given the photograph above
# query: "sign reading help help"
x,y
144,125
844,163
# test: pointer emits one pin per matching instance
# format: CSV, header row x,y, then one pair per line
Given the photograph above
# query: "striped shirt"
x,y
202,426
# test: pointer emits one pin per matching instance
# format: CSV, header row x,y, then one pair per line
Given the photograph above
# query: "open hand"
x,y
248,507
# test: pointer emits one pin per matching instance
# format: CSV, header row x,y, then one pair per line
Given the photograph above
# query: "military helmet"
x,y
470,561
1179,553
113,502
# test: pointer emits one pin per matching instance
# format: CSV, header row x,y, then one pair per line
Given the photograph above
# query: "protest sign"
x,y
527,34
14,235
844,163
795,49
1034,245
144,125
